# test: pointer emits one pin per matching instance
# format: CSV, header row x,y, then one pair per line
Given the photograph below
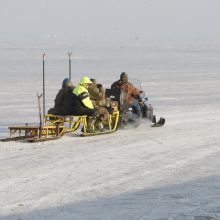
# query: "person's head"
x,y
124,77
67,83
85,81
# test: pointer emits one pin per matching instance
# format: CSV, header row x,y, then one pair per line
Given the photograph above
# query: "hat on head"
x,y
67,83
123,75
85,80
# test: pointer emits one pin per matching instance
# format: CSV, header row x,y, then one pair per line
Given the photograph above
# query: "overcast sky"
x,y
116,20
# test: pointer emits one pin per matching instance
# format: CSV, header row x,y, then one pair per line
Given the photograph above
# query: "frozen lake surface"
x,y
169,173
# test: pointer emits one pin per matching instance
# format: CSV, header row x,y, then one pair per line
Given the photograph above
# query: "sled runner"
x,y
160,123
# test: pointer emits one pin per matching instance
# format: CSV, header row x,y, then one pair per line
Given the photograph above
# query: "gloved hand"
x,y
135,96
142,97
110,110
95,112
99,86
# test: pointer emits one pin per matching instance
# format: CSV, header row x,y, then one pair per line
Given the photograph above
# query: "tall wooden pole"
x,y
70,54
43,85
40,115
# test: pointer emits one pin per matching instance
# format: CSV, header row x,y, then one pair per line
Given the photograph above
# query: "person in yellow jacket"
x,y
81,103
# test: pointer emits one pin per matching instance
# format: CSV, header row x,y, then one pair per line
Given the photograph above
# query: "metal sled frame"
x,y
111,123
72,123
56,126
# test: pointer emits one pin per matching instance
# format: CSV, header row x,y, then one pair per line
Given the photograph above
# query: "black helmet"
x,y
123,75
67,83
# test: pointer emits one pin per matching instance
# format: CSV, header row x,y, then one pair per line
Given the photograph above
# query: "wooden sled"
x,y
34,132
55,126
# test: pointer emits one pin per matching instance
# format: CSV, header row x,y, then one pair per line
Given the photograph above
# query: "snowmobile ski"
x,y
18,138
160,123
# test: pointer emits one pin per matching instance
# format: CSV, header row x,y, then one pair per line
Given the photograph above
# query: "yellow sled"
x,y
72,123
55,126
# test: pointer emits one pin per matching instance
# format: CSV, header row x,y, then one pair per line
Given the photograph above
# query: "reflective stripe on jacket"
x,y
82,93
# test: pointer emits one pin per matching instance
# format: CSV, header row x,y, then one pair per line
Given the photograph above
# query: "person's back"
x,y
97,95
62,102
66,107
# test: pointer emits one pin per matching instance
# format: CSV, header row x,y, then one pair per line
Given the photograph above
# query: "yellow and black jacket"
x,y
82,104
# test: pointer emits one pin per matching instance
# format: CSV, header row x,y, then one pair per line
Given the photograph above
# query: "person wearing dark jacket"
x,y
62,102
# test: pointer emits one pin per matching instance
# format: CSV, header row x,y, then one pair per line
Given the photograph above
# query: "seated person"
x,y
62,100
97,96
81,102
133,95
129,91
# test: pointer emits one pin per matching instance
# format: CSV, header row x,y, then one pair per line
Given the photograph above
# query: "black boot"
x,y
90,124
98,125
161,121
154,119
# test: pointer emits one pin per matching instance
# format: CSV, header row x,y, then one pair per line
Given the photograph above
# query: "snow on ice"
x,y
165,173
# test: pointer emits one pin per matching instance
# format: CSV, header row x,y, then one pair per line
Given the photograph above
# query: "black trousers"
x,y
84,111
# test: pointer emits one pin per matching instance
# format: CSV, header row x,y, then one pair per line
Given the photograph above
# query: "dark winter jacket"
x,y
63,102
130,91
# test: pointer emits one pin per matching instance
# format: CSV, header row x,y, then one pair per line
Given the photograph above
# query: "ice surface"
x,y
165,173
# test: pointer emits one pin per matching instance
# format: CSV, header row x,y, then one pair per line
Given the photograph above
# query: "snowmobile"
x,y
128,115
